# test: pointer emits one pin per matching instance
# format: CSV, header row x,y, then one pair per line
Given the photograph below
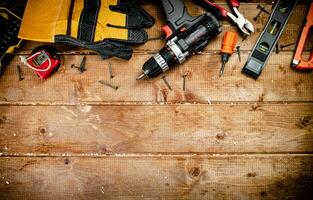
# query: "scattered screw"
x,y
184,82
66,161
262,9
19,72
108,84
166,83
238,52
277,47
287,45
110,71
82,66
257,16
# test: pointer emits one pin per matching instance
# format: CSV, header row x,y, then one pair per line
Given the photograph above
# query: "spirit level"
x,y
269,37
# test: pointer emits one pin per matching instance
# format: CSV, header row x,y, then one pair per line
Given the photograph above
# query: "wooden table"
x,y
70,137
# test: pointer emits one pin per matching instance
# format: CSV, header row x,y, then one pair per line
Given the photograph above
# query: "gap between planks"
x,y
160,155
148,103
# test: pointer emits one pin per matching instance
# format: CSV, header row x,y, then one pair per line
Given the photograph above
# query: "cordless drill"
x,y
185,35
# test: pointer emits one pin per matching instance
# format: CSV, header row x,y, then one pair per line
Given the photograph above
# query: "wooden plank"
x,y
278,82
290,34
80,130
206,177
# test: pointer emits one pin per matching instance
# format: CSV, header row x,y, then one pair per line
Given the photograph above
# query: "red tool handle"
x,y
234,3
299,62
215,9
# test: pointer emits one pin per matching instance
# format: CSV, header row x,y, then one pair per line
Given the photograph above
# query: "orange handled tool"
x,y
298,62
228,45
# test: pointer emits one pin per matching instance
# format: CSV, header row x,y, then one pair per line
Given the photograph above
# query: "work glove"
x,y
105,26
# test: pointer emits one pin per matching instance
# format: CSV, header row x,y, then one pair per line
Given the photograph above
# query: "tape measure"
x,y
44,60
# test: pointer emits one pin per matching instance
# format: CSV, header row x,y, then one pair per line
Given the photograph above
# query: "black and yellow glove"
x,y
105,26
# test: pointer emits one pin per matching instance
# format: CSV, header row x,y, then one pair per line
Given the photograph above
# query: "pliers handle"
x,y
216,10
242,23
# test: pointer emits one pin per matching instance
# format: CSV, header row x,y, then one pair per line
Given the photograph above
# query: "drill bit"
x,y
141,76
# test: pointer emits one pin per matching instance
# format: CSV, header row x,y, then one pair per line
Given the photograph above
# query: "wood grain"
x,y
70,137
55,130
278,82
197,177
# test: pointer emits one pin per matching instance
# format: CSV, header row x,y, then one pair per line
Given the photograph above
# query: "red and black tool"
x,y
245,26
44,60
298,62
185,36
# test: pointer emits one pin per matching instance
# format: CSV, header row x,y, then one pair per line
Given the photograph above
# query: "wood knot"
x,y
261,97
187,73
42,130
220,136
251,174
66,161
190,97
3,118
194,172
305,121
255,107
105,150
263,194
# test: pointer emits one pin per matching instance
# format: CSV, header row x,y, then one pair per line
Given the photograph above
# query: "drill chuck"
x,y
159,63
179,48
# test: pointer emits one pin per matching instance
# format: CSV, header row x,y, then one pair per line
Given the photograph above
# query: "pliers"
x,y
243,24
